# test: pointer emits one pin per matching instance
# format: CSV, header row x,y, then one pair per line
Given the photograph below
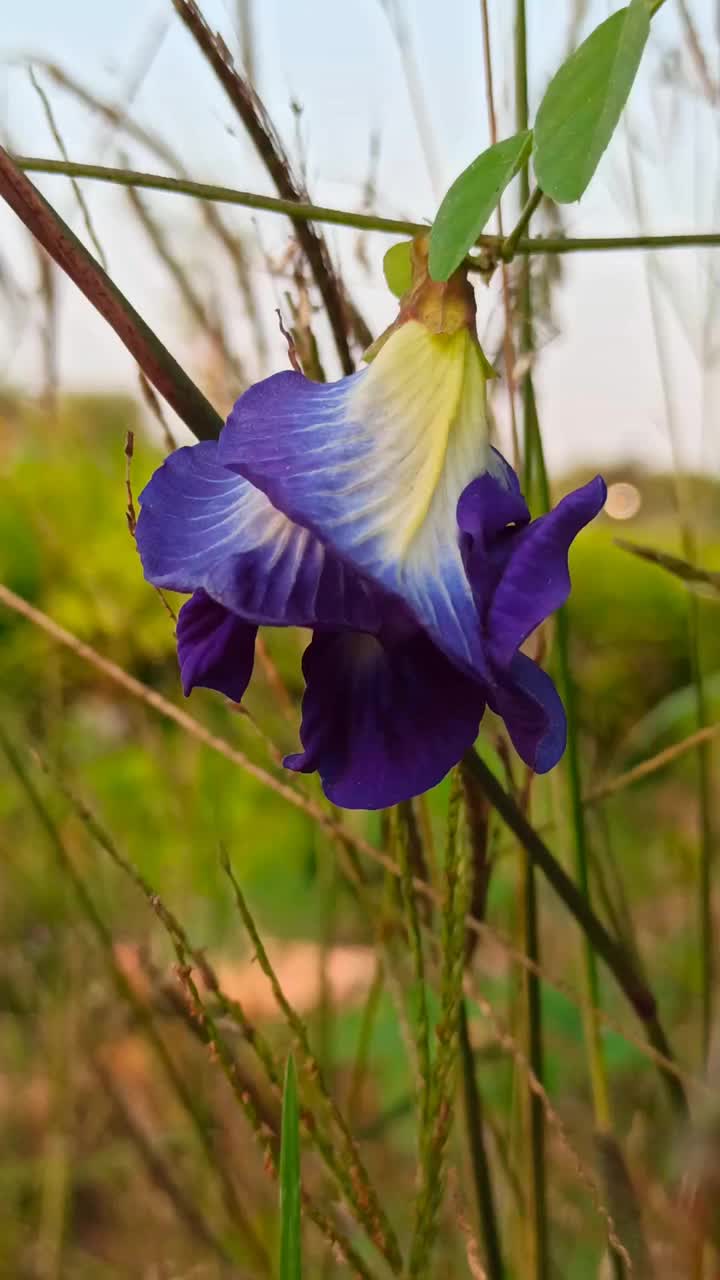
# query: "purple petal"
x,y
535,580
530,705
383,722
491,502
490,512
204,527
215,648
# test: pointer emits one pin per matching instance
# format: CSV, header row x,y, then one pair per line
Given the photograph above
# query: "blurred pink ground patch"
x,y
304,970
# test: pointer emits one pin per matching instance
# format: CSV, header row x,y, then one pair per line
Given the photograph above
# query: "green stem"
x,y
478,1155
302,210
703,239
509,247
306,212
537,483
521,89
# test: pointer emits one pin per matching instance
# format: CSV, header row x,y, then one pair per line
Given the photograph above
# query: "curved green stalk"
x,y
306,212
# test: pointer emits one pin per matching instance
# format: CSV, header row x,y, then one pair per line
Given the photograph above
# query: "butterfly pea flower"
x,y
373,512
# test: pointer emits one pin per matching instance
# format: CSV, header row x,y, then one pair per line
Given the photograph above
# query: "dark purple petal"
x,y
491,502
490,513
215,648
383,722
535,580
527,700
204,527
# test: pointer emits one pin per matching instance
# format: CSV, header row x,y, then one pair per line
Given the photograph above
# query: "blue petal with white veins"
x,y
203,527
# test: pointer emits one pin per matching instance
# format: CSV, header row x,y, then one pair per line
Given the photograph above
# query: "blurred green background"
x,y
74,1195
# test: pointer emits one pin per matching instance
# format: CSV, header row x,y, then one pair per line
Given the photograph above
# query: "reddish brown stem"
x,y
70,254
260,129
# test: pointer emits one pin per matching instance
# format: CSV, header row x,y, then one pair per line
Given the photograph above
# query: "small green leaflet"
x,y
290,1232
471,199
691,574
584,101
397,266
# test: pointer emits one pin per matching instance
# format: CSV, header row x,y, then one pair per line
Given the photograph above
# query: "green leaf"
x,y
584,101
470,201
397,265
290,1233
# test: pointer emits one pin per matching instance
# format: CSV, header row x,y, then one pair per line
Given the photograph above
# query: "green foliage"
x,y
584,100
65,547
290,1186
673,718
633,653
470,201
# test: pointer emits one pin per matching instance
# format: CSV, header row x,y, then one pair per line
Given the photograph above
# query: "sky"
x,y
608,393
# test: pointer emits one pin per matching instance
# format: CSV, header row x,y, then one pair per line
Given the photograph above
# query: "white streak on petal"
x,y
421,408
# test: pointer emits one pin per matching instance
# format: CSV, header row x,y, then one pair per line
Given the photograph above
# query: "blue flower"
x,y
373,511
